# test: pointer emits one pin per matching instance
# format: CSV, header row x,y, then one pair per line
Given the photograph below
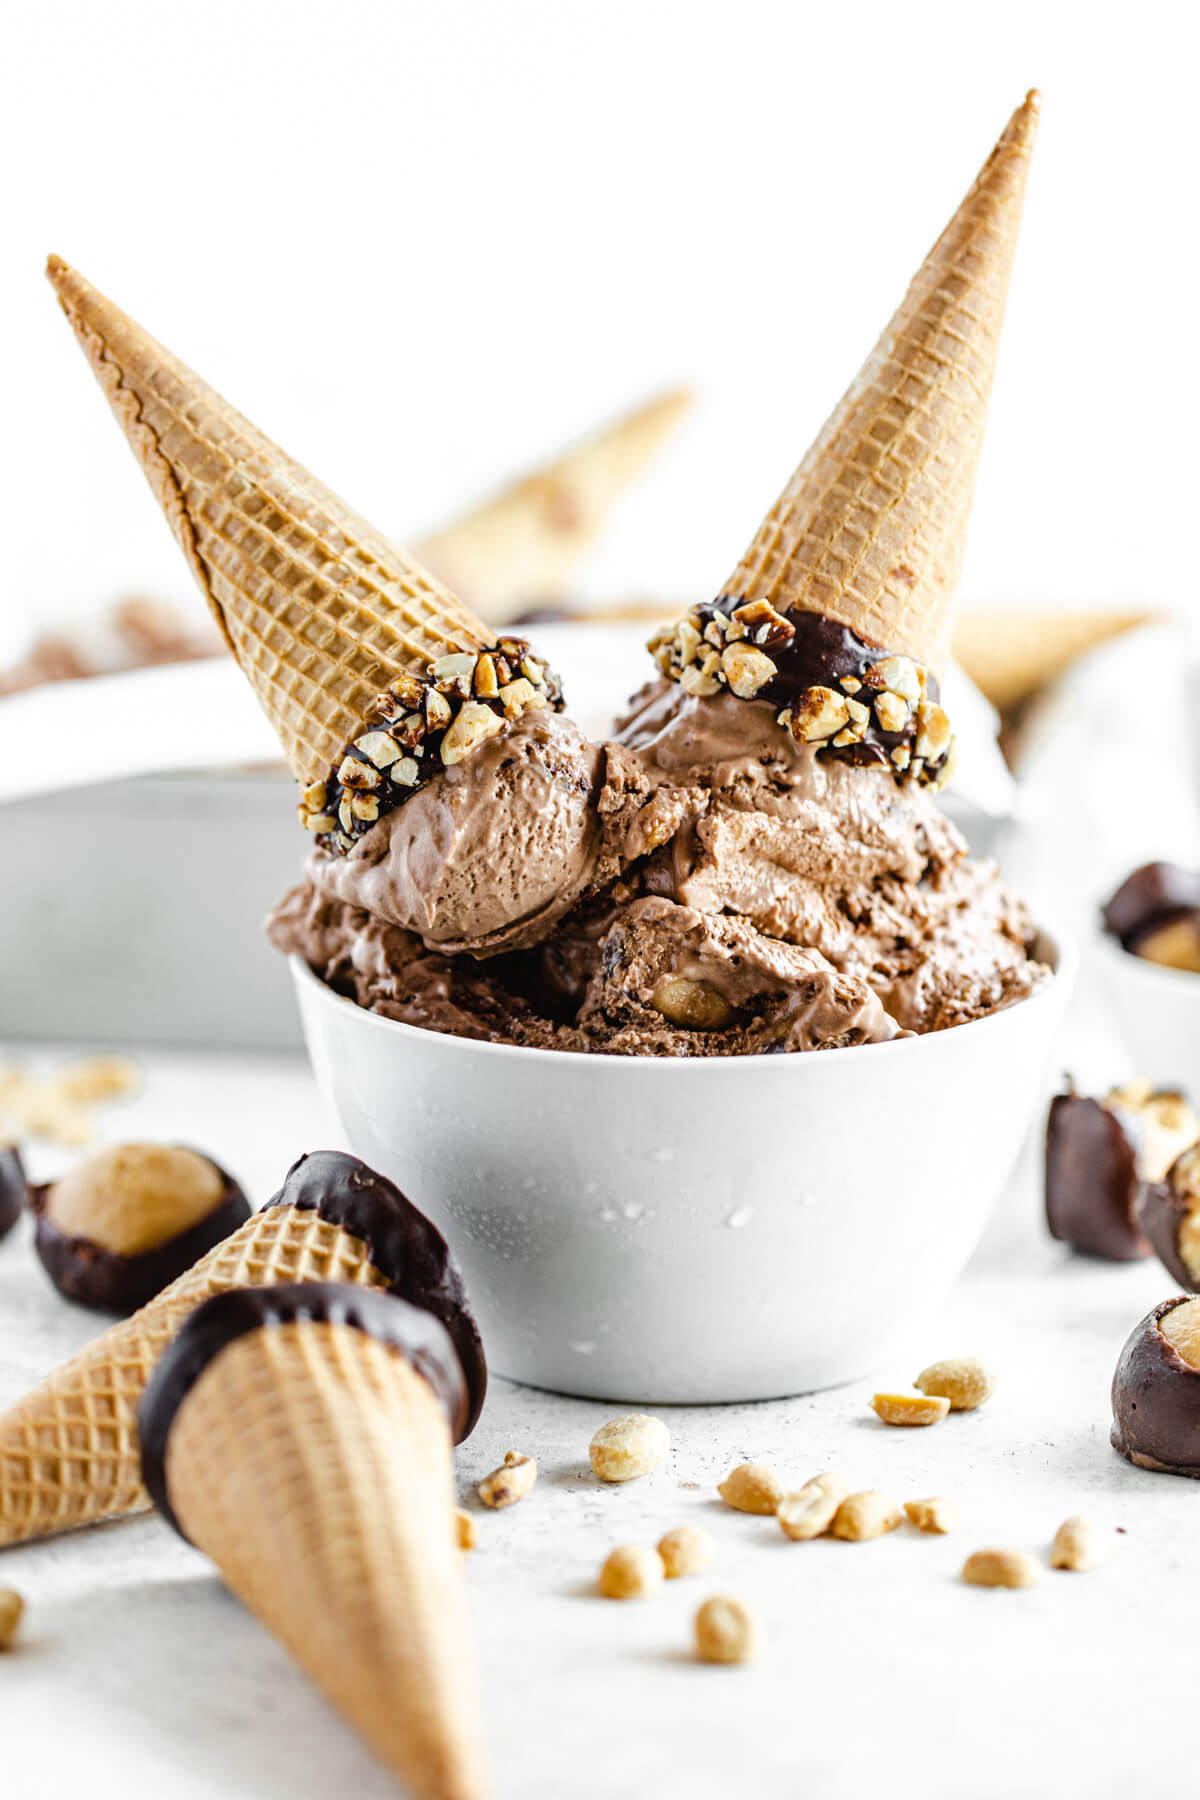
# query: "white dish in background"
x,y
693,1230
1156,1012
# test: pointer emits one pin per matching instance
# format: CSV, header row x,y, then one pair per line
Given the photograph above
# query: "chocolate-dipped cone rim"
x,y
15,1191
107,1281
413,1331
403,1245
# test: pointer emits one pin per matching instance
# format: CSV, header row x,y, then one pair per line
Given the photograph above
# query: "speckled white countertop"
x,y
138,1675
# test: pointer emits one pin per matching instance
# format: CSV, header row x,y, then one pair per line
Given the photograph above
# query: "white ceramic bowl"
x,y
705,1230
1157,1013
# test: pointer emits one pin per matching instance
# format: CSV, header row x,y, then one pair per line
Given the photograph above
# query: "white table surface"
x,y
138,1675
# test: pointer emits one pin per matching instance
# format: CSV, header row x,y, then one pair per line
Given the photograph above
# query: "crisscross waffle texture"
x,y
314,1465
321,611
69,1451
521,545
870,530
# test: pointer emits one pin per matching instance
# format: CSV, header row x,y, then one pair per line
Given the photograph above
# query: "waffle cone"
x,y
69,1451
321,611
314,1466
520,547
871,528
1010,655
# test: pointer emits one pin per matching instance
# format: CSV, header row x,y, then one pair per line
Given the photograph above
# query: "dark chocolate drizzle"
x,y
221,1321
14,1189
107,1282
406,1248
1153,895
1156,1401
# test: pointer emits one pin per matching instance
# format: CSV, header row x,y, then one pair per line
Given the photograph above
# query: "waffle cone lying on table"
x,y
302,1437
69,1452
756,860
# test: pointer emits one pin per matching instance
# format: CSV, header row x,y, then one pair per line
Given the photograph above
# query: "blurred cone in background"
x,y
871,528
1010,655
519,548
320,610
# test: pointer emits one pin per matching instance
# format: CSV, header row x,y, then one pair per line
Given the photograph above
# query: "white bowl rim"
x,y
1114,951
1057,948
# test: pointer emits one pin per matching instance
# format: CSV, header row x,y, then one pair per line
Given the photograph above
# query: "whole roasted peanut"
x,y
629,1447
1001,1569
962,1380
727,1632
510,1482
752,1488
1076,1545
632,1572
685,1551
810,1512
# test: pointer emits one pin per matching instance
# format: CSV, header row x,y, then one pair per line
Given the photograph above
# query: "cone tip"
x,y
56,270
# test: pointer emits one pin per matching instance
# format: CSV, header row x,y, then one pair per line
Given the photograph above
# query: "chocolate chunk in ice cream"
x,y
1156,1391
122,1225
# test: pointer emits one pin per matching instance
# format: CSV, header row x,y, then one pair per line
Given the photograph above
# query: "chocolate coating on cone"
x,y
1156,1401
106,1281
14,1189
1092,1181
411,1330
408,1251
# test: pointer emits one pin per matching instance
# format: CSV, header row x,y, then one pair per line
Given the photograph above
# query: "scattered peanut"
x,y
510,1482
628,1447
11,1608
934,1514
752,1488
464,1526
632,1572
1075,1545
727,1632
1001,1569
962,1380
810,1512
866,1515
685,1551
910,1409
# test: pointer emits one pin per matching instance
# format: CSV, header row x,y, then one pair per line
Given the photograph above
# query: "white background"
x,y
421,242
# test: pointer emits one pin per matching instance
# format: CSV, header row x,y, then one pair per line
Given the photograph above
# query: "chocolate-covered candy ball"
x,y
1169,1214
1098,1155
120,1227
14,1189
1156,1391
1156,914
